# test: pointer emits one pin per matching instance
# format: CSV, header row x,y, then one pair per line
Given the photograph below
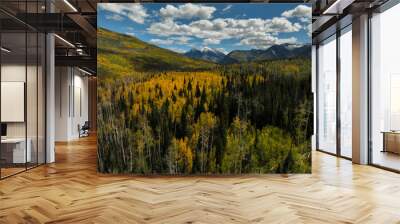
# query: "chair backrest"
x,y
86,125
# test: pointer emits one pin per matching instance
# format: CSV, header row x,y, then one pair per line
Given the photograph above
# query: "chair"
x,y
84,130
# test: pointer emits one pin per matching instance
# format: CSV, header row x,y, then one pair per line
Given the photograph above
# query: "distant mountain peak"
x,y
206,53
274,52
193,49
281,51
205,49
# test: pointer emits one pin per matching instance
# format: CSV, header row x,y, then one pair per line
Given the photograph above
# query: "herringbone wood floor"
x,y
70,191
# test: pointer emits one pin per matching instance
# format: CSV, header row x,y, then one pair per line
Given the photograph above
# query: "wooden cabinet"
x,y
391,142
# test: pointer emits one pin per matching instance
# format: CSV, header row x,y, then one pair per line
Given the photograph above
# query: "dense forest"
x,y
223,119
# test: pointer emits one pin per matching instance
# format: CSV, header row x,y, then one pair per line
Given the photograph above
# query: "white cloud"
x,y
227,8
305,20
130,34
308,28
266,41
172,40
181,39
160,41
210,41
177,50
135,12
187,11
115,17
301,11
213,31
279,24
255,32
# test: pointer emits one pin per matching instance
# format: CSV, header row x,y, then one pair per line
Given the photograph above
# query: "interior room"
x,y
72,106
63,111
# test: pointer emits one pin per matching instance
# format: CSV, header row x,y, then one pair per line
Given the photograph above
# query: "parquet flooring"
x,y
11,170
70,191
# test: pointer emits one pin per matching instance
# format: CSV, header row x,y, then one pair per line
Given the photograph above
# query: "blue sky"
x,y
227,27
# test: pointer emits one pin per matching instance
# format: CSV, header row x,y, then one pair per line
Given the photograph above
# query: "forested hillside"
x,y
162,113
120,55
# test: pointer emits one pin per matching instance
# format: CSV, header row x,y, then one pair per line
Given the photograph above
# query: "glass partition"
x,y
13,109
346,92
385,89
22,77
327,95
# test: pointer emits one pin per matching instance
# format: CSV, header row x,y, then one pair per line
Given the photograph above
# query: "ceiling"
x,y
330,15
75,21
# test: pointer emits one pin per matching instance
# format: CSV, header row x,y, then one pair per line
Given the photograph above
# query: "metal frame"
x,y
369,98
26,90
0,91
338,75
317,97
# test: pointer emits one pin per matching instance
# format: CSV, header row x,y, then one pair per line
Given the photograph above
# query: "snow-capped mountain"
x,y
237,56
206,53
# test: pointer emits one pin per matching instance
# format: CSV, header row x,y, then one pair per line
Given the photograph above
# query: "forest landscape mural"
x,y
200,89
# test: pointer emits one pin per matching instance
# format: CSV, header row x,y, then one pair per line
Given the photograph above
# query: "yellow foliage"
x,y
168,85
183,155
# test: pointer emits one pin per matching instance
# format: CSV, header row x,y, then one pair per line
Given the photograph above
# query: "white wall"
x,y
71,87
13,72
62,82
79,115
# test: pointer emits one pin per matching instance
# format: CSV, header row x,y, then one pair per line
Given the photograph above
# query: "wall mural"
x,y
200,89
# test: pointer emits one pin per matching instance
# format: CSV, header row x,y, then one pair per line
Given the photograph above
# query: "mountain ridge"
x,y
206,53
239,56
126,54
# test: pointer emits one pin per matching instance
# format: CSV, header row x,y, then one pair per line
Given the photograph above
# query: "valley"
x,y
165,113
